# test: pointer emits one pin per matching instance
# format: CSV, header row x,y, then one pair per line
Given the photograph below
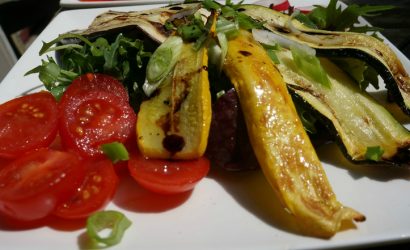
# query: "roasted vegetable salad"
x,y
245,86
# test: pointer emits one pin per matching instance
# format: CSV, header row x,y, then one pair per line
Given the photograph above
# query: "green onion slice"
x,y
309,64
116,151
164,59
113,221
374,153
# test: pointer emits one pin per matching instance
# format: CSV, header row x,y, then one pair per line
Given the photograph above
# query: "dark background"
x,y
36,14
395,23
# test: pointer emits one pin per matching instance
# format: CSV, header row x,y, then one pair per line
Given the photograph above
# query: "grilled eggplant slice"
x,y
280,142
360,121
151,22
175,122
344,44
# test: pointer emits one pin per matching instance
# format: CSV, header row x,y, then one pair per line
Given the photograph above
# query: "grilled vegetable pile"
x,y
178,62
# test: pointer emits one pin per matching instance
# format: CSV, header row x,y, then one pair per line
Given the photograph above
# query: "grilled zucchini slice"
x,y
359,121
281,145
175,122
341,44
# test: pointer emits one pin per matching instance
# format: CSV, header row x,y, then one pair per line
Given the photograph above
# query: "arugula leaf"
x,y
350,15
334,18
123,58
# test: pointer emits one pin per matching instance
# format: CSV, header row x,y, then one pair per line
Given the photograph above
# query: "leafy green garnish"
x,y
374,153
122,58
113,221
116,151
192,29
310,65
54,78
334,18
210,5
231,12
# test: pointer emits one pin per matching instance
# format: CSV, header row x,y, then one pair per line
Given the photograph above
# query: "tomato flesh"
x,y
33,185
97,190
166,176
95,81
90,119
27,123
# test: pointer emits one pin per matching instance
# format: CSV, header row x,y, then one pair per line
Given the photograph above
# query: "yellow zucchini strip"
x,y
281,145
175,122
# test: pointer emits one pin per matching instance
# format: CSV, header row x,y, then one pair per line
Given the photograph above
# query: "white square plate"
x,y
226,210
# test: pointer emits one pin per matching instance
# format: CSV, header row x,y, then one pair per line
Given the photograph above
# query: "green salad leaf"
x,y
336,19
123,58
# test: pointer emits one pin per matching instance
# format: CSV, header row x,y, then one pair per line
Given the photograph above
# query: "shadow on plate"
x,y
9,224
332,155
132,197
252,191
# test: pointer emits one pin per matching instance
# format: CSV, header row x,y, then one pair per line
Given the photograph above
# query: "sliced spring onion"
x,y
374,153
163,59
223,42
214,54
266,37
309,64
230,28
272,54
115,222
116,151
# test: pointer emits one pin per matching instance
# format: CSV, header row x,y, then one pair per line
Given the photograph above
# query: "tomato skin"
x,y
90,119
33,185
96,81
98,188
27,123
167,176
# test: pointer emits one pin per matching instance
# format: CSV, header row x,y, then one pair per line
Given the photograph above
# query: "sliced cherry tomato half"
x,y
27,123
167,176
97,190
32,186
90,119
96,81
